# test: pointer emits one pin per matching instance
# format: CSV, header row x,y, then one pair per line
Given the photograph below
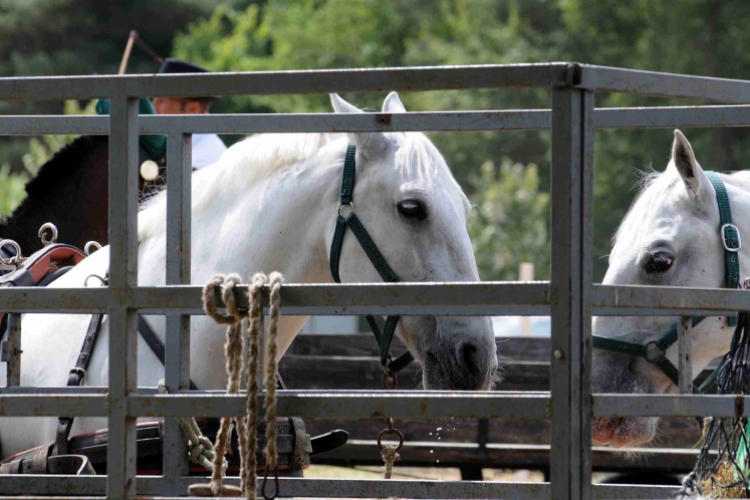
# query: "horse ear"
x,y
393,104
341,106
684,161
369,143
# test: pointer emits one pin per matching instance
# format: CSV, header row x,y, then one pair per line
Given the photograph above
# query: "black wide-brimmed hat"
x,y
171,65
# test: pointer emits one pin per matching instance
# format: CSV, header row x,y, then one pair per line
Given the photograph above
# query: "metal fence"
x,y
569,298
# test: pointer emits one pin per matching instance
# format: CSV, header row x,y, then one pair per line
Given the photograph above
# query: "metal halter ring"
x,y
42,234
654,353
87,247
388,432
349,204
390,380
15,246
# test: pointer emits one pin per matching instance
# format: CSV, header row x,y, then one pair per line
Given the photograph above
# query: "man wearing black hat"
x,y
207,148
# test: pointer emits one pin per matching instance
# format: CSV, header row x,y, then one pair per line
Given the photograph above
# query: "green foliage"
x,y
508,225
11,189
684,36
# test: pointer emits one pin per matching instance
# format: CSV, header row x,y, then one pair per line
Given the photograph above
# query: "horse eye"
x,y
658,262
412,209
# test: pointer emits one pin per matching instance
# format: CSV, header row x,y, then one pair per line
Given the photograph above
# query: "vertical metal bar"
x,y
123,270
14,350
571,228
177,365
685,345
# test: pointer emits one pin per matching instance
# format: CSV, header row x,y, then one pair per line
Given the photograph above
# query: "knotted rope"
x,y
200,449
233,348
390,456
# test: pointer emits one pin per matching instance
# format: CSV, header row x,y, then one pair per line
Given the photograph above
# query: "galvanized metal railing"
x,y
570,297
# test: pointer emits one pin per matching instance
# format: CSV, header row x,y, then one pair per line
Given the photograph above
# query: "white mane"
x,y
247,162
240,167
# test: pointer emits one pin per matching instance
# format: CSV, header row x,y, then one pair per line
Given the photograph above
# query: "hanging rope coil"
x,y
233,349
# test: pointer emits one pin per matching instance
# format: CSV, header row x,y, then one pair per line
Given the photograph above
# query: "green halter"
x,y
383,336
655,351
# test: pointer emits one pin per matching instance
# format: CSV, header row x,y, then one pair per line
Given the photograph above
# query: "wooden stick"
x,y
126,54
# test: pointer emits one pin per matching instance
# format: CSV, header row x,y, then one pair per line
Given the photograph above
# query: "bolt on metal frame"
x,y
570,297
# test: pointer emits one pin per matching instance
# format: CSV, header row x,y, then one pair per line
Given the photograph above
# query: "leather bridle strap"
x,y
75,377
383,336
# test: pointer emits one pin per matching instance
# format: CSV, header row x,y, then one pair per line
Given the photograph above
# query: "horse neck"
x,y
279,224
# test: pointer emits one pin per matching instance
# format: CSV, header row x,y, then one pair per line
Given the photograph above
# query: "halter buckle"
x,y
725,238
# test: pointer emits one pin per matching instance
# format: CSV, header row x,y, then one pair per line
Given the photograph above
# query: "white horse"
x,y
670,237
270,203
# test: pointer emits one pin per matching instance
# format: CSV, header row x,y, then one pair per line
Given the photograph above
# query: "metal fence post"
x,y
12,351
685,346
123,274
571,230
177,365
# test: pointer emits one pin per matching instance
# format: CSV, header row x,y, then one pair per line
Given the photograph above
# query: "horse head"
x,y
670,237
416,214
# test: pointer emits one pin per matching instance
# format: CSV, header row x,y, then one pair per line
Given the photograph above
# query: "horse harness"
x,y
384,334
655,351
42,268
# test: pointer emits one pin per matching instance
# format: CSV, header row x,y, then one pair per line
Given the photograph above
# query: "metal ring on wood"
x,y
43,232
15,246
388,432
87,247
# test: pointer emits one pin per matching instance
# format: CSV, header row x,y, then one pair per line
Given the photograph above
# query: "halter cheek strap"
x,y
384,335
655,352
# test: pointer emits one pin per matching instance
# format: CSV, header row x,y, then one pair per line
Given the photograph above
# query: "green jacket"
x,y
155,145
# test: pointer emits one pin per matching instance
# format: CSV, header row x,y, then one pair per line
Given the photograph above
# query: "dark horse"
x,y
69,191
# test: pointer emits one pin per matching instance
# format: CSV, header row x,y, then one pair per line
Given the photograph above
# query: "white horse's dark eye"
x,y
413,209
658,262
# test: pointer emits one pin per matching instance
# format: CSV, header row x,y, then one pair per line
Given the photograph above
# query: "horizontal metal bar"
x,y
625,300
53,405
454,121
485,298
286,82
327,488
62,391
56,300
672,116
354,404
607,79
671,405
358,405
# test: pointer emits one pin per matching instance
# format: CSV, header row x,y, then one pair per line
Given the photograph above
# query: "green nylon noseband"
x,y
384,334
655,352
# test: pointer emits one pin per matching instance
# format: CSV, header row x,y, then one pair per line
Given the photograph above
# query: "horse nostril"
x,y
468,357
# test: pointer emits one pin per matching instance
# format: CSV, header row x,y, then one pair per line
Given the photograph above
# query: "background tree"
x,y
686,36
